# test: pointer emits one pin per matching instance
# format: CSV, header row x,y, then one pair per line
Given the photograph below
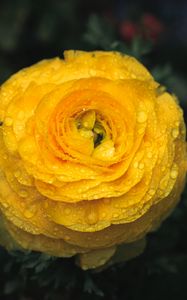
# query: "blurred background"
x,y
156,33
153,31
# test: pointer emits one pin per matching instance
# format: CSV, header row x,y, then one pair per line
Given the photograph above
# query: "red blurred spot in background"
x,y
148,27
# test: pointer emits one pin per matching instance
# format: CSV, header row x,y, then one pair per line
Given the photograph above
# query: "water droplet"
x,y
28,214
17,173
84,267
5,205
55,229
163,184
88,119
183,131
86,133
160,192
175,133
141,166
140,131
104,151
141,117
151,192
149,154
23,193
8,121
174,174
135,164
92,72
115,215
92,218
30,211
102,261
67,238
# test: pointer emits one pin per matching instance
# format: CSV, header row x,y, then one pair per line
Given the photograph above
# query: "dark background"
x,y
34,29
156,33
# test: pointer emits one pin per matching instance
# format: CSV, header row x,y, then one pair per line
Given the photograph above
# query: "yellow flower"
x,y
92,156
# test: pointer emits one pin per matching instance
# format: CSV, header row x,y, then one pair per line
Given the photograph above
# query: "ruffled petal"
x,y
92,156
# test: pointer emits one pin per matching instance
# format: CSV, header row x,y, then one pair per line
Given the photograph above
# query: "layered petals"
x,y
92,155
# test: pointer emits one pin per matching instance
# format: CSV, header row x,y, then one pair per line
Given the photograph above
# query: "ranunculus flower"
x,y
92,156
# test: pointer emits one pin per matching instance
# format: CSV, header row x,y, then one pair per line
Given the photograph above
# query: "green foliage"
x,y
174,82
90,287
100,34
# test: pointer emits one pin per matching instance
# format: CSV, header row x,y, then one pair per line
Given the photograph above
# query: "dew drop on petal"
x,y
135,164
28,214
151,192
174,174
102,261
92,218
17,173
140,131
67,238
5,205
141,166
177,123
175,133
55,230
163,184
23,193
141,117
115,215
149,154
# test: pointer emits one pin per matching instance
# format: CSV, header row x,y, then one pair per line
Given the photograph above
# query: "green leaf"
x,y
90,287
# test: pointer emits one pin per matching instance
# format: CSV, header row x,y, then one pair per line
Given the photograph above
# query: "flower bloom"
x,y
92,156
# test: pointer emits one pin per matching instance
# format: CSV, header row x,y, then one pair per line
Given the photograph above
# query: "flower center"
x,y
90,127
95,129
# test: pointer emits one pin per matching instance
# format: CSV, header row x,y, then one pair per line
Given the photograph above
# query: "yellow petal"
x,y
92,156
